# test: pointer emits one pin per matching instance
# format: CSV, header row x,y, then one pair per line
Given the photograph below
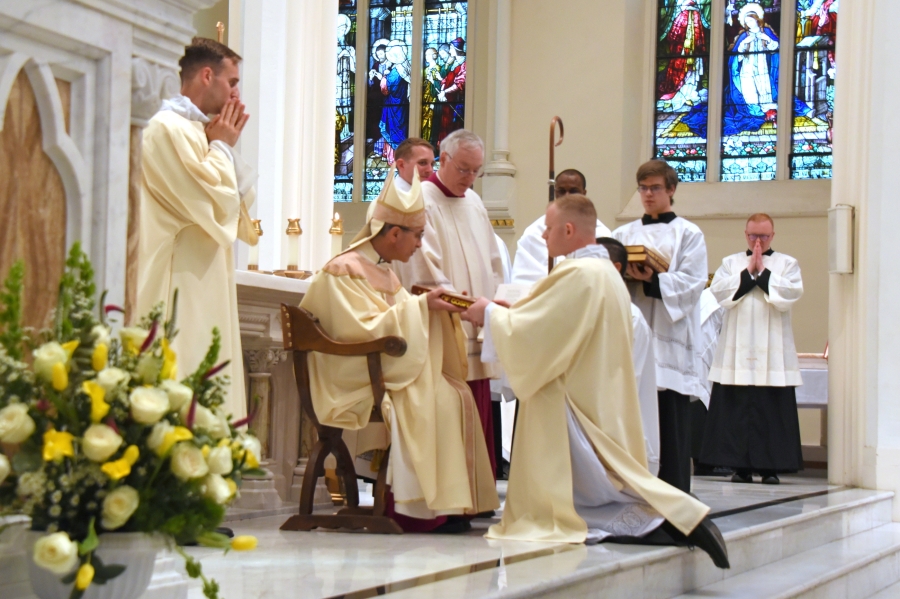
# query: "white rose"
x,y
216,488
203,418
15,423
56,552
252,444
110,378
179,395
46,357
100,334
188,462
148,404
158,434
148,368
219,460
133,337
5,468
220,428
100,442
118,507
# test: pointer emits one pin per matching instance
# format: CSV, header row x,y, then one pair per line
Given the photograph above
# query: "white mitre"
x,y
393,207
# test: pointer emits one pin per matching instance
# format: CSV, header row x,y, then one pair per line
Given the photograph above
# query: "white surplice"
x,y
460,253
645,375
711,314
756,345
530,264
674,319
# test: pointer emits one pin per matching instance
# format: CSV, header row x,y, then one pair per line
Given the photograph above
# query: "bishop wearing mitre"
x,y
580,468
439,464
195,192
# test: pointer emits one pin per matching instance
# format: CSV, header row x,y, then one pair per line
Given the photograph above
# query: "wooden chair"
x,y
303,334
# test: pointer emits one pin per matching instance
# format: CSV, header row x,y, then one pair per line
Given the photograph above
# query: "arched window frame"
x,y
415,109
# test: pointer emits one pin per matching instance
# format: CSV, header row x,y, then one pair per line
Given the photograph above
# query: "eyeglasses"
x,y
651,188
466,172
418,234
752,237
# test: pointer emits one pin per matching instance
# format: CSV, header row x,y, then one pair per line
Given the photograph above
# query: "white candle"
x,y
293,233
337,234
253,259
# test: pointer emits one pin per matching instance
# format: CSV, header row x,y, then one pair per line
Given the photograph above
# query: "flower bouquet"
x,y
98,434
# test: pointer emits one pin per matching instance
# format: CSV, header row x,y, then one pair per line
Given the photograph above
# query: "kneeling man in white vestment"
x,y
580,468
439,464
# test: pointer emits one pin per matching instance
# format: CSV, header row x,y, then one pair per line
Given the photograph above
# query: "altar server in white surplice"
x,y
580,468
195,191
752,424
459,251
670,302
644,361
530,265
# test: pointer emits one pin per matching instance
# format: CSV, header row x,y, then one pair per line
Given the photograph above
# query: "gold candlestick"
x,y
293,232
337,235
253,260
220,32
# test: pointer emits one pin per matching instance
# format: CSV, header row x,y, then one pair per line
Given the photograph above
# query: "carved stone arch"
x,y
10,65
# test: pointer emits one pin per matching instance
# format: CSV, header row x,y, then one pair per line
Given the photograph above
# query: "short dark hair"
x,y
616,250
204,52
404,150
575,173
658,168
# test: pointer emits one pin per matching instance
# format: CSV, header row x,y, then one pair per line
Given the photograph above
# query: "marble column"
x,y
864,414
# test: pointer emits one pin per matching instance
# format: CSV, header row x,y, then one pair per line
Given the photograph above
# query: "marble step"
x,y
756,539
851,568
891,592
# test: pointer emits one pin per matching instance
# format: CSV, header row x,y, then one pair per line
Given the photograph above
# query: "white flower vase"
x,y
136,551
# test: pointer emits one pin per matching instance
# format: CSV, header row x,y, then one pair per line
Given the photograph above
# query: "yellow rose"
x,y
216,489
57,445
110,378
118,507
187,462
133,338
99,358
5,468
244,543
46,357
84,577
100,442
219,460
56,552
148,404
99,407
15,423
179,395
117,469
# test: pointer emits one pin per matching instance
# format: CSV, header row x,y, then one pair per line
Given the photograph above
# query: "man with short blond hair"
x,y
670,301
414,154
752,424
459,250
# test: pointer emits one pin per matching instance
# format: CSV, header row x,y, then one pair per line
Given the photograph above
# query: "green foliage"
x,y
74,316
91,542
12,337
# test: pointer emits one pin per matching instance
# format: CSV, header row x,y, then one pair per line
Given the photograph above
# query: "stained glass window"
x,y
345,89
682,86
388,77
444,70
814,70
750,90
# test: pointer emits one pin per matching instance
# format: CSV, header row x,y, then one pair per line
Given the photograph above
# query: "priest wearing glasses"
x,y
670,302
752,424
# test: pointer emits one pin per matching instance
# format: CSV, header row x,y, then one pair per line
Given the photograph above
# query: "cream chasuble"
x,y
566,349
439,463
458,252
191,212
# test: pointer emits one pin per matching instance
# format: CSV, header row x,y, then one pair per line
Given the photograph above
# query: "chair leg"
x,y
346,471
314,467
380,489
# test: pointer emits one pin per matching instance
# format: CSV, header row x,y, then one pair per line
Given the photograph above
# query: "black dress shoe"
x,y
487,514
453,525
771,479
742,478
708,538
224,530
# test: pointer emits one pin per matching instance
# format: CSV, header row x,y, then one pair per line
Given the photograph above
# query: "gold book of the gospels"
x,y
641,254
462,301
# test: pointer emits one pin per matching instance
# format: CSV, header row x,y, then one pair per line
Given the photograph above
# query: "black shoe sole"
x,y
708,537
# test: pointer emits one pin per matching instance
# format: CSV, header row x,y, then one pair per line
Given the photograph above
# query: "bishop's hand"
x,y
436,303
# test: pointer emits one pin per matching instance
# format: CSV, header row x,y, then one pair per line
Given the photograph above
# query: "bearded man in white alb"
x,y
580,467
195,191
752,424
459,251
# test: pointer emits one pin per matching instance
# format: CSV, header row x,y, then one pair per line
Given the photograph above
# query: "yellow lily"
x,y
100,357
179,433
99,407
84,577
116,469
70,347
57,445
170,365
131,454
244,543
60,377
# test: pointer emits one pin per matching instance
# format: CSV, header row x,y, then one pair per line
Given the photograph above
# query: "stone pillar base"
x,y
321,499
258,493
168,580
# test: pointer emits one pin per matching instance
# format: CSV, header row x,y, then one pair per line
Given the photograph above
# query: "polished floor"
x,y
329,564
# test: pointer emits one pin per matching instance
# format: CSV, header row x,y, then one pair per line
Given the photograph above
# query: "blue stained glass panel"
x,y
345,89
682,86
814,73
750,90
444,70
388,77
